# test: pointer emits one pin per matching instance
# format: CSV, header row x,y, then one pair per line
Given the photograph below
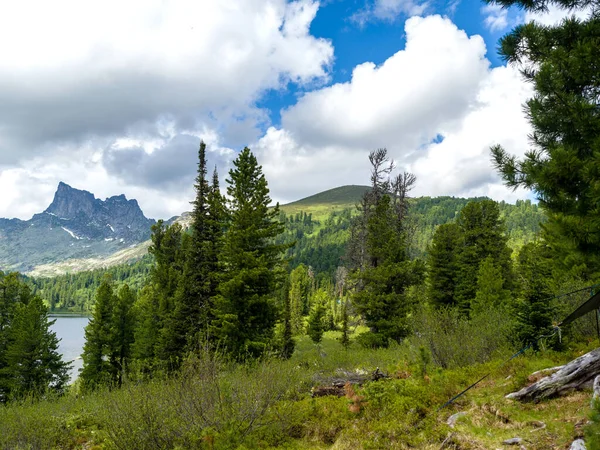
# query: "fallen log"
x,y
577,374
335,386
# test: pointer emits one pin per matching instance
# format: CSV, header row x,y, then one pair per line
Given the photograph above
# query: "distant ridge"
x,y
343,195
76,226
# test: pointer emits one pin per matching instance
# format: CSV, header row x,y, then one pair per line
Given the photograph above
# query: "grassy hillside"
x,y
324,203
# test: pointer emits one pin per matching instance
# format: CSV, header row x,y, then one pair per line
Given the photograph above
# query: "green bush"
x,y
453,340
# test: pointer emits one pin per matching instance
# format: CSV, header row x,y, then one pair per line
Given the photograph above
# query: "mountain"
x,y
324,203
77,226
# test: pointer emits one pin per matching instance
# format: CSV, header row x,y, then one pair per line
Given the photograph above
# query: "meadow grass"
x,y
214,404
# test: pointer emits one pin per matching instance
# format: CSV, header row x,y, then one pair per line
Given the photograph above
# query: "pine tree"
x,y
534,311
345,337
122,333
443,264
287,339
490,290
169,247
482,236
562,166
193,309
383,270
245,307
29,360
97,350
316,326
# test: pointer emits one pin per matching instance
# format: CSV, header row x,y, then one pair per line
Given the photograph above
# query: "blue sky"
x,y
115,97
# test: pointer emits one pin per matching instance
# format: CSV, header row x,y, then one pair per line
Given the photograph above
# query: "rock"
x,y
596,389
573,375
454,418
513,441
578,444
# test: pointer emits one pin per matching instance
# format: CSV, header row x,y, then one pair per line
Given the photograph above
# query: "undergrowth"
x,y
216,405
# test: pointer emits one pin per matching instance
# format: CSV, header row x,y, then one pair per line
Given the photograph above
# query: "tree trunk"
x,y
577,374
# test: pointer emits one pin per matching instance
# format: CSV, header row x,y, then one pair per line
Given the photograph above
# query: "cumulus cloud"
x,y
74,70
405,101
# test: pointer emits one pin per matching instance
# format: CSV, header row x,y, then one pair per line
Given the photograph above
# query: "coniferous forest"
x,y
268,326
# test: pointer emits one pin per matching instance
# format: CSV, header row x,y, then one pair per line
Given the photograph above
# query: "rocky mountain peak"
x,y
69,202
75,225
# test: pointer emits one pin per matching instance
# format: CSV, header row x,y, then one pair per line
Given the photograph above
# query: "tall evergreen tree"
x,y
97,350
122,333
287,339
316,319
193,300
34,363
490,288
534,310
245,307
443,264
383,270
482,236
562,167
29,358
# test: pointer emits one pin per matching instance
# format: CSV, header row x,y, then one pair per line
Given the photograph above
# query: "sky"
x,y
114,97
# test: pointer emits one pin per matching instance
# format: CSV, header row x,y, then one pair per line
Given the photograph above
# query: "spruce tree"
x,y
534,310
345,336
245,307
287,339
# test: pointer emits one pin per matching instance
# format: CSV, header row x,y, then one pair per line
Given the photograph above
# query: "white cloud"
x,y
81,80
388,10
496,17
70,70
403,102
440,84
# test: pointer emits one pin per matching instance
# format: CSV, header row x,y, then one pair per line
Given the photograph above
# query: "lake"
x,y
70,331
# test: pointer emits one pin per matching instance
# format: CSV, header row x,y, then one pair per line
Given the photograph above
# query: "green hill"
x,y
324,203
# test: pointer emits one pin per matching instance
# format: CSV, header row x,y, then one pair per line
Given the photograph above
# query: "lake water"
x,y
70,331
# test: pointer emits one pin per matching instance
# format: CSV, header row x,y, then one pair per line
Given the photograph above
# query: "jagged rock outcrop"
x,y
75,225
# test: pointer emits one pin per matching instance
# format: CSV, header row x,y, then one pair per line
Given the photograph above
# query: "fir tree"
x,y
345,337
193,299
245,307
534,311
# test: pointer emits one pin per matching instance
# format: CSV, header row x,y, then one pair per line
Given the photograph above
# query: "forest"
x,y
396,322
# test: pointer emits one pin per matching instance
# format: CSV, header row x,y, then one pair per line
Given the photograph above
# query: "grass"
x,y
268,405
